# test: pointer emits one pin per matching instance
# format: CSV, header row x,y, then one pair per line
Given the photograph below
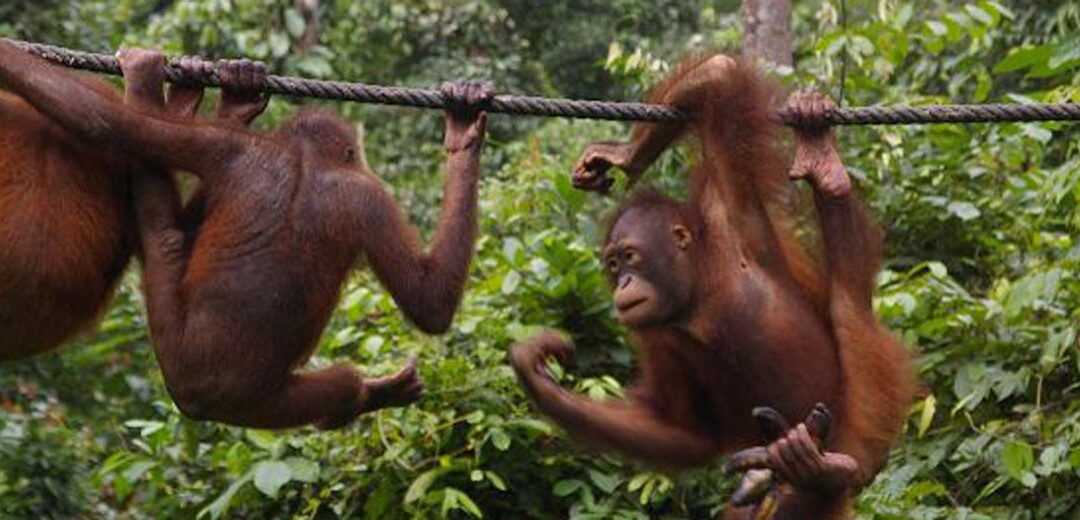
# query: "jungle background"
x,y
979,278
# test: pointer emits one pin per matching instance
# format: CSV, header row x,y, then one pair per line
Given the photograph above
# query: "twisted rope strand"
x,y
586,109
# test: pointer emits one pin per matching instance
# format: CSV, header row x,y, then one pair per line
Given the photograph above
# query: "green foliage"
x,y
978,278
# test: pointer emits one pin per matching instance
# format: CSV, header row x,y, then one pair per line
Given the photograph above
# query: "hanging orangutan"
x,y
737,327
237,304
66,224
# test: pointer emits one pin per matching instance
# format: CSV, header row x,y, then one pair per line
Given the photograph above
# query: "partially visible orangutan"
x,y
853,248
235,311
730,314
66,224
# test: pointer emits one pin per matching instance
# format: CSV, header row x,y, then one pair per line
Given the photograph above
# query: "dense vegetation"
x,y
979,278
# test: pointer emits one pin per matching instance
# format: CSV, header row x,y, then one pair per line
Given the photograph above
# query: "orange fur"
x,y
738,132
878,376
739,135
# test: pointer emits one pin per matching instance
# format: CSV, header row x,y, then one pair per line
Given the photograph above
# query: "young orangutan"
x,y
238,307
730,314
66,224
853,249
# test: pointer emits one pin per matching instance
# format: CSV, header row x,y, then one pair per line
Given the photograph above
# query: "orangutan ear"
x,y
683,237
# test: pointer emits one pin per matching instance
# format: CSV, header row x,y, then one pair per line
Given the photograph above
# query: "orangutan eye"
x,y
631,257
613,265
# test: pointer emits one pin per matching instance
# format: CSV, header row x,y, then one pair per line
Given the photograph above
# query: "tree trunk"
x,y
309,9
767,31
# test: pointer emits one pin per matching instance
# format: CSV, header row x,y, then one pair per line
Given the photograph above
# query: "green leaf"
x,y
919,490
495,480
1036,132
979,15
606,482
456,499
500,439
372,345
926,418
1022,58
1074,458
963,210
238,458
1018,459
294,22
137,470
564,488
513,251
938,28
997,7
572,197
279,44
1055,345
303,470
614,53
534,425
264,439
421,484
983,85
117,460
1064,54
510,282
382,501
960,19
146,428
1029,479
315,66
220,505
269,476
647,491
906,301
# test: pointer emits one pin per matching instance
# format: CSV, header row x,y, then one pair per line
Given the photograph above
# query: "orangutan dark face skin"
x,y
648,262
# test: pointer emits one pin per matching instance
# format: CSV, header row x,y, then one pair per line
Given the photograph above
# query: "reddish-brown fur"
x,y
766,326
236,307
65,228
66,224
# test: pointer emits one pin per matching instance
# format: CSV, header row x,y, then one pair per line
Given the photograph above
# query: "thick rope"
x,y
538,106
